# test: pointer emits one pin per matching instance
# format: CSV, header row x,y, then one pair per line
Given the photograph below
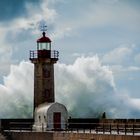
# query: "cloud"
x,y
34,15
108,1
13,9
123,61
35,12
121,55
137,59
108,13
66,24
5,54
13,32
123,69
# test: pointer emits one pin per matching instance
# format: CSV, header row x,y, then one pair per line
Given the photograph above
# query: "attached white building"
x,y
49,116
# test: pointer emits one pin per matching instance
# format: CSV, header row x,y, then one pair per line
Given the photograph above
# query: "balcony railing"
x,y
37,54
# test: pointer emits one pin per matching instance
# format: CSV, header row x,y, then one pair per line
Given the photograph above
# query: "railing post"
x,y
90,130
96,129
110,129
30,54
125,128
42,127
103,129
84,130
33,54
117,128
77,130
133,129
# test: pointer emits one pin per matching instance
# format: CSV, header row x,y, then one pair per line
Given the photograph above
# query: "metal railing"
x,y
44,54
108,128
96,128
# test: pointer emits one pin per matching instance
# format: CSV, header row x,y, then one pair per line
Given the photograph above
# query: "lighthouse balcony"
x,y
44,54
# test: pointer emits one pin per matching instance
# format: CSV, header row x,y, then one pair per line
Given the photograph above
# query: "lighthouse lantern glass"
x,y
44,46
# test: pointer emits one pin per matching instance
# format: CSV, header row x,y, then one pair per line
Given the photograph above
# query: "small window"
x,y
45,118
39,118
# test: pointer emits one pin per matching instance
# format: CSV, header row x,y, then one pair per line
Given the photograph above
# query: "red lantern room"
x,y
44,43
44,49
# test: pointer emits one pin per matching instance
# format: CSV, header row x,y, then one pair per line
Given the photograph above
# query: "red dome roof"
x,y
44,39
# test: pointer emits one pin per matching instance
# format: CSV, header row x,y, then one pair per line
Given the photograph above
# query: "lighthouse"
x,y
48,114
43,59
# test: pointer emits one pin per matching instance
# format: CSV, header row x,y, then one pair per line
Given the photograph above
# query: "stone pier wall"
x,y
67,136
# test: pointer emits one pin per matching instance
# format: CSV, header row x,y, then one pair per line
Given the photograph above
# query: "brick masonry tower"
x,y
43,59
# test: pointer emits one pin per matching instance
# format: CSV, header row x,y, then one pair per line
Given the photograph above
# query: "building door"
x,y
57,120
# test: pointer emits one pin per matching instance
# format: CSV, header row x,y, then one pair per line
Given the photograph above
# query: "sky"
x,y
99,47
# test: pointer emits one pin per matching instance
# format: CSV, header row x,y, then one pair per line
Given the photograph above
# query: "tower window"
x,y
45,118
39,118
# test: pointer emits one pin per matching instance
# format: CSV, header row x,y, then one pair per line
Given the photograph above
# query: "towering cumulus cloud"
x,y
86,87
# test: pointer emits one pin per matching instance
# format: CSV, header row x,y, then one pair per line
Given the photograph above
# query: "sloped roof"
x,y
44,39
43,108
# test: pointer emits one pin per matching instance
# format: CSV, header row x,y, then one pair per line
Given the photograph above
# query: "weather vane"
x,y
43,26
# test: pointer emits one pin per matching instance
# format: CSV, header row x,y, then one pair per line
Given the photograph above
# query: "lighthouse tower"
x,y
48,114
43,59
